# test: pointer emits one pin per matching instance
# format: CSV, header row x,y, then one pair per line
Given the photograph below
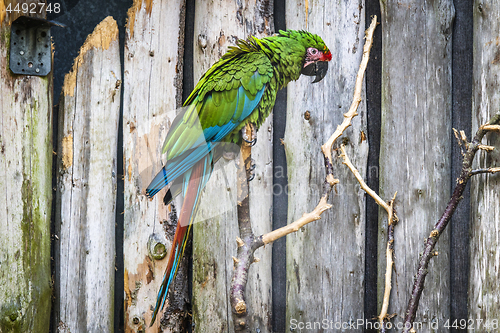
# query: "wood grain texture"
x,y
325,259
26,187
152,92
218,24
86,185
416,147
485,196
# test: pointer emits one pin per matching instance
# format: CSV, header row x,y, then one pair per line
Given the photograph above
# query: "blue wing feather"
x,y
204,144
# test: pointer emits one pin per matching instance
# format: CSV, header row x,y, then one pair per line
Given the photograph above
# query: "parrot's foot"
x,y
251,139
251,170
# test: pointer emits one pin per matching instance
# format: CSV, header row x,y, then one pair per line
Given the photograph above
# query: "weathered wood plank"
x,y
218,24
484,295
152,92
325,260
415,147
89,111
26,187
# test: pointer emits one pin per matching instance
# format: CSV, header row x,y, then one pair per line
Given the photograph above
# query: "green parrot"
x,y
238,89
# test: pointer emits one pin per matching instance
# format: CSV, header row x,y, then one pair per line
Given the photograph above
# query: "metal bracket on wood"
x,y
30,46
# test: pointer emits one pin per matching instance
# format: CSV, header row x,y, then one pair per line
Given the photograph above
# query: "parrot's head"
x,y
317,55
316,63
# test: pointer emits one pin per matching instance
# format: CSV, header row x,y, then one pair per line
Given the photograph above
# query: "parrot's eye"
x,y
312,51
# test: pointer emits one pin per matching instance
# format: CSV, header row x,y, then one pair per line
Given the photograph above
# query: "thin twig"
x,y
460,141
486,147
440,226
491,127
392,221
365,187
488,170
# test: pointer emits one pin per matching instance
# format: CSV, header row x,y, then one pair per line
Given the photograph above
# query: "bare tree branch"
x,y
327,147
440,226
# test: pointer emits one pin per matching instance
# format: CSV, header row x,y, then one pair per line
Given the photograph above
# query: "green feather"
x,y
269,62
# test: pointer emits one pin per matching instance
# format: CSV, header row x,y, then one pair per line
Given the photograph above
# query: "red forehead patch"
x,y
327,56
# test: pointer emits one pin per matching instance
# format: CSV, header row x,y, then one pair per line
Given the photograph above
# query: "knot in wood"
x,y
202,41
157,247
307,115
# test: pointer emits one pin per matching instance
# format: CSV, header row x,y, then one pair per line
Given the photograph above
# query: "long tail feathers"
x,y
194,182
179,166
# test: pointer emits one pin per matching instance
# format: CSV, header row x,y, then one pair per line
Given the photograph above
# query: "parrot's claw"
x,y
250,143
251,170
251,139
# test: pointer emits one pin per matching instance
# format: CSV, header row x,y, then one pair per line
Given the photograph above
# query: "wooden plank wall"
x,y
484,296
152,91
89,111
326,255
26,187
325,261
415,148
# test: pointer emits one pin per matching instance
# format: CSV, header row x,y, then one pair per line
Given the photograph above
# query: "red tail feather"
x,y
181,231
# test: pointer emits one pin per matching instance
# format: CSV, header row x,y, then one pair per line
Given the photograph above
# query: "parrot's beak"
x,y
318,69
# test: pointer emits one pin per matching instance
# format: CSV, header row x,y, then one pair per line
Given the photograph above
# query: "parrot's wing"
x,y
220,102
225,99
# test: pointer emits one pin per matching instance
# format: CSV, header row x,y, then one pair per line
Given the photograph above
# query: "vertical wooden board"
x,y
485,198
415,148
26,187
152,91
86,187
219,24
325,259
